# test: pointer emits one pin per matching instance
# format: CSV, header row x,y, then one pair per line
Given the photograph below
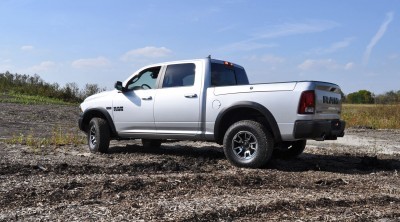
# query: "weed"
x,y
372,116
31,99
58,138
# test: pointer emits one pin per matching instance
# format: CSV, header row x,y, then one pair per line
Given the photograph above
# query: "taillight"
x,y
307,102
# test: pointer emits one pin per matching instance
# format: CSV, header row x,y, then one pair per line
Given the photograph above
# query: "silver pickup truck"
x,y
212,100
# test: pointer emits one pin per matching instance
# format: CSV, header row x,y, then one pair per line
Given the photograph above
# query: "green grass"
x,y
373,116
13,97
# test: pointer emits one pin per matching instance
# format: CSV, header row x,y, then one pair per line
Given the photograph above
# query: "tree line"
x,y
367,97
34,85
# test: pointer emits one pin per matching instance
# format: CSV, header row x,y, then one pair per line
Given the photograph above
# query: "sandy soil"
x,y
355,178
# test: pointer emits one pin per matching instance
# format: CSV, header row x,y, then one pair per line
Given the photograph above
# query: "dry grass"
x,y
59,137
372,116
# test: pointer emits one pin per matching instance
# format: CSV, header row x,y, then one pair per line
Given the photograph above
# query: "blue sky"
x,y
353,43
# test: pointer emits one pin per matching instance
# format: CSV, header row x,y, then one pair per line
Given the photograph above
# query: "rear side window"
x,y
179,75
227,75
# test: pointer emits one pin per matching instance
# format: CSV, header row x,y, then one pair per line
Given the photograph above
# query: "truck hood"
x,y
99,95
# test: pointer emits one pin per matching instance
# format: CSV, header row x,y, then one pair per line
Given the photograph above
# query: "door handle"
x,y
148,98
191,95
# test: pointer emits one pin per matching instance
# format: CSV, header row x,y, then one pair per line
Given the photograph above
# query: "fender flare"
x,y
86,116
251,105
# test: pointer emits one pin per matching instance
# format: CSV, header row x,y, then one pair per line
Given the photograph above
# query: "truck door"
x,y
177,104
133,108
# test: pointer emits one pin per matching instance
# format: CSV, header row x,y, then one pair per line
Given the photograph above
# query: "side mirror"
x,y
118,86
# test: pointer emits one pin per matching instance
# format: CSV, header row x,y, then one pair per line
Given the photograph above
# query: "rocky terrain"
x,y
356,178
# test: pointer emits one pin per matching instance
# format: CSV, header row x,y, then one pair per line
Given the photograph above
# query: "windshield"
x,y
144,80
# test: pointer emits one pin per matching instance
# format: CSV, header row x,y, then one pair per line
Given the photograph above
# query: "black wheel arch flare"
x,y
273,125
97,112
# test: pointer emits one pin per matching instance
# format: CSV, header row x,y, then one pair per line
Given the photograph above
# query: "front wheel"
x,y
98,135
248,144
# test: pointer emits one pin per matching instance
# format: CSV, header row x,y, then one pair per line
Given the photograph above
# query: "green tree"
x,y
91,89
34,85
361,97
390,97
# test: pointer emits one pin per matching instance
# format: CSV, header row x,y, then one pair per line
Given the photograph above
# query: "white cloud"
x,y
98,62
42,67
27,48
339,45
324,64
247,46
146,52
349,66
278,31
270,59
5,67
316,64
336,46
227,28
289,29
393,56
381,32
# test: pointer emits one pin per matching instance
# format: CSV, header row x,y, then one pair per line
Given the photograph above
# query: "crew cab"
x,y
212,100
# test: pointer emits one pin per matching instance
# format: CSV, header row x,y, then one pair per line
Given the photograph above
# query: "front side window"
x,y
146,79
227,75
179,75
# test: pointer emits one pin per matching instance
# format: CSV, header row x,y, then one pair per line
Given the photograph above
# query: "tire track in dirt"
x,y
70,187
166,164
295,206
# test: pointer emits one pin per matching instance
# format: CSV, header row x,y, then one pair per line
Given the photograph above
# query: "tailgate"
x,y
328,99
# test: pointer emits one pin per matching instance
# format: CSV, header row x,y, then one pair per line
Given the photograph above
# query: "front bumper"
x,y
319,129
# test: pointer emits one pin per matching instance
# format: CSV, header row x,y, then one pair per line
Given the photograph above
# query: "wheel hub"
x,y
92,137
244,145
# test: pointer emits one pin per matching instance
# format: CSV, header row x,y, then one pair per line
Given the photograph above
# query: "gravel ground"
x,y
355,178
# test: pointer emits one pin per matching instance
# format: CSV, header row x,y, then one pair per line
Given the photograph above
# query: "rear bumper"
x,y
319,129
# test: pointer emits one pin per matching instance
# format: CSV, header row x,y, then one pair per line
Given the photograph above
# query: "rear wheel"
x,y
150,143
290,149
248,144
98,135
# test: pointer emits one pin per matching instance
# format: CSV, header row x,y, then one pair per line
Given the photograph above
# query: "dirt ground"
x,y
353,179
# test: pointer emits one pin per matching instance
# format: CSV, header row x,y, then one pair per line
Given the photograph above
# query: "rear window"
x,y
227,75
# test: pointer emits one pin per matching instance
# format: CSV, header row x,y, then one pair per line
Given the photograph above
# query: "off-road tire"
x,y
151,144
290,149
98,135
248,144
